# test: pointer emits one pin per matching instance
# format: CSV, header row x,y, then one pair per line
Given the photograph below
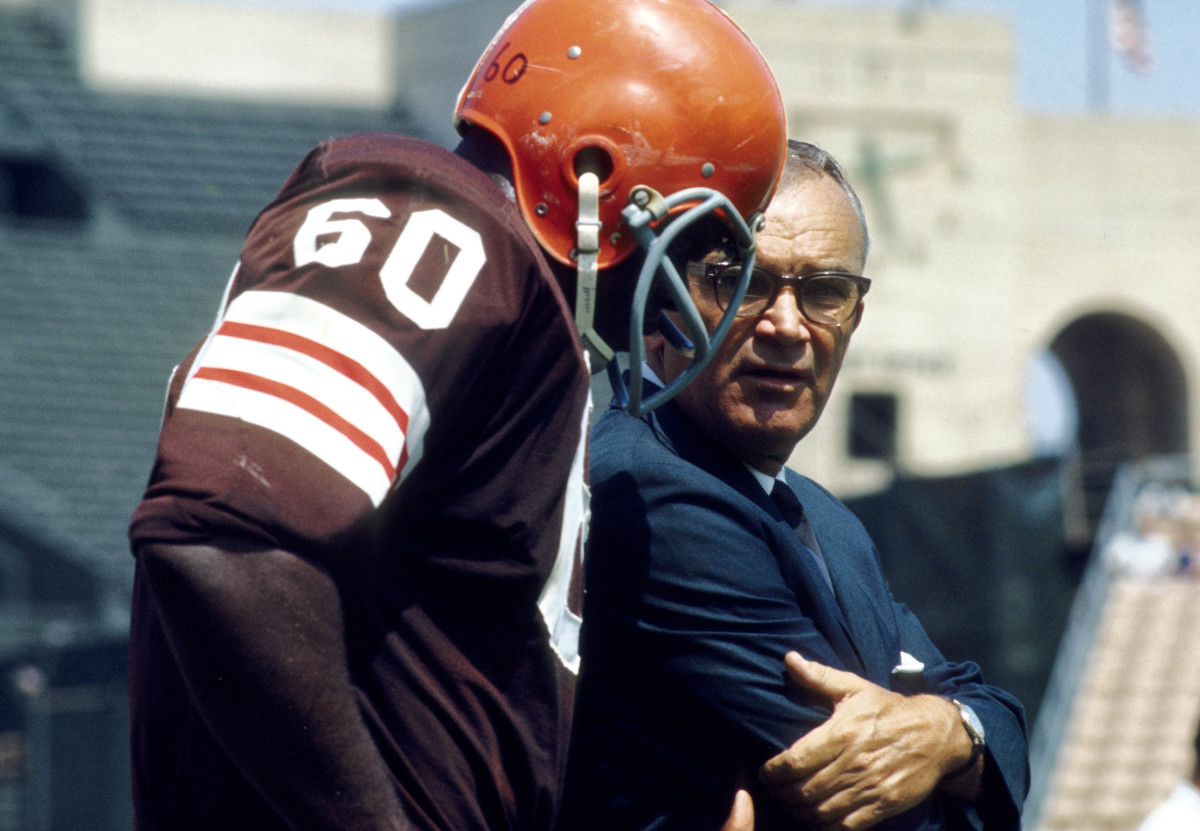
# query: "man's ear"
x,y
656,346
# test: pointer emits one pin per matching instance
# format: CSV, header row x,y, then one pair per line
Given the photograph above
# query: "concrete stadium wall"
x,y
993,229
237,51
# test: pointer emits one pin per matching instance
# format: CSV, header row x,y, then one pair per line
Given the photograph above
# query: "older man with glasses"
x,y
712,567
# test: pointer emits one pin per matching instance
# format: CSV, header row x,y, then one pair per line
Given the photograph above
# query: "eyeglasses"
x,y
828,297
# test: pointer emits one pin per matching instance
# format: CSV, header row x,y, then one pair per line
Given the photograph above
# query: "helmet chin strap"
x,y
587,250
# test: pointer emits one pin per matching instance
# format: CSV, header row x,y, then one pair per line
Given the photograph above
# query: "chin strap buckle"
x,y
587,251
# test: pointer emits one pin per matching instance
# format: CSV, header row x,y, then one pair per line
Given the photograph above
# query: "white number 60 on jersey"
x,y
351,238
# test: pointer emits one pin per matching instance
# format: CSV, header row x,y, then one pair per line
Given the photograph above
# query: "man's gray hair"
x,y
803,160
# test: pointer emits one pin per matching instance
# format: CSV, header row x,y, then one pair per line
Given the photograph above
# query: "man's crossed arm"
x,y
879,754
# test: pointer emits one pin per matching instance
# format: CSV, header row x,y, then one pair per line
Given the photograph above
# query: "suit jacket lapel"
x,y
862,595
799,568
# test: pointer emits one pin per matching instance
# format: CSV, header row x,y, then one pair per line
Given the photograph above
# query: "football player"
x,y
356,593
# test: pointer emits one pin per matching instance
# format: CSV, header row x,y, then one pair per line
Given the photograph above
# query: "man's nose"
x,y
783,319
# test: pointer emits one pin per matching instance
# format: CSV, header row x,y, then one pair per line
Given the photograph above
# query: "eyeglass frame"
x,y
708,271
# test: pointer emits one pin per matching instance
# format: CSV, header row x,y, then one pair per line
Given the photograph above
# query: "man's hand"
x,y
879,754
741,817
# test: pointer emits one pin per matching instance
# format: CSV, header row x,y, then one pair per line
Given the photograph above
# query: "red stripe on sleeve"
x,y
305,402
349,367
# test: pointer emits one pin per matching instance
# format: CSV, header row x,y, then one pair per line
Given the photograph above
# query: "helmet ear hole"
x,y
593,159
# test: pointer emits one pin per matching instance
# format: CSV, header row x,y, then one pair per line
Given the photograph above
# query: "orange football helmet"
x,y
667,103
668,94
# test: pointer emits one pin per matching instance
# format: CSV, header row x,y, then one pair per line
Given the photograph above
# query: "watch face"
x,y
974,725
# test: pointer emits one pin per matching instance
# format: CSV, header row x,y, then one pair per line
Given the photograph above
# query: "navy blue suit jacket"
x,y
696,588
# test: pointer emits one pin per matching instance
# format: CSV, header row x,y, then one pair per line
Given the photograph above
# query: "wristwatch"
x,y
974,728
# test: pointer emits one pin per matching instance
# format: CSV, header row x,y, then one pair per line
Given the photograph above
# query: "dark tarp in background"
x,y
981,560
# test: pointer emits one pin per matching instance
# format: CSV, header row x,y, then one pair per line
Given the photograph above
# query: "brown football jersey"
x,y
394,389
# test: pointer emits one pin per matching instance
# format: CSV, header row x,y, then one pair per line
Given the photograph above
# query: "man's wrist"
x,y
975,732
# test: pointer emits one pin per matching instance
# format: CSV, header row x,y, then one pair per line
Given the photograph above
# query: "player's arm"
x,y
258,636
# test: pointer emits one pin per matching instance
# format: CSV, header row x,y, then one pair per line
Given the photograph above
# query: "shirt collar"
x,y
767,481
650,375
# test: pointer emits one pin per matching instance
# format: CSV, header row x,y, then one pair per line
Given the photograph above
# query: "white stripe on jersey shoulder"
x,y
319,378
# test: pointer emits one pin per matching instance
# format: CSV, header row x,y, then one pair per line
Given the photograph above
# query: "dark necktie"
x,y
793,513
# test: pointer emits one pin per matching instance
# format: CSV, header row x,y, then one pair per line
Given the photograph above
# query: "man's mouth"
x,y
784,377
